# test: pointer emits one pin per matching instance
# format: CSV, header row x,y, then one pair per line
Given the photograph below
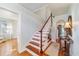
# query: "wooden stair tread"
x,y
34,43
38,39
33,49
44,32
39,36
25,53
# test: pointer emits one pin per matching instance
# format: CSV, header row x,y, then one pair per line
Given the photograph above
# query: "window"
x,y
6,29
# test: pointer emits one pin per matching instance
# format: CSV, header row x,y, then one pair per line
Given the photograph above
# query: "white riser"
x,y
40,37
34,54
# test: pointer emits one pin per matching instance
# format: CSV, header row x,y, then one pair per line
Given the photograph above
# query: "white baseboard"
x,y
20,51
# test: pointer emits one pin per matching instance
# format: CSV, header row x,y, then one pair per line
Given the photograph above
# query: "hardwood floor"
x,y
8,47
25,53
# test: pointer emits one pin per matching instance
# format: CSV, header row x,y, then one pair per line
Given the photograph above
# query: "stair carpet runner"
x,y
33,48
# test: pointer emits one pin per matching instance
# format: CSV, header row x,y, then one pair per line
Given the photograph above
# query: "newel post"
x,y
41,50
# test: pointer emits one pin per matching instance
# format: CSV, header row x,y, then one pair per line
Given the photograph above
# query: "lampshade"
x,y
67,25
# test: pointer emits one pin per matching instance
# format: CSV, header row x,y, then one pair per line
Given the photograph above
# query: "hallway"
x,y
42,29
33,48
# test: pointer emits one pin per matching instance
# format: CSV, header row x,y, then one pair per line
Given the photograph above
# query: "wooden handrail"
x,y
45,23
41,50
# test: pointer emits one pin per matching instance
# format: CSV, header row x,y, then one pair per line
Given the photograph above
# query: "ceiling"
x,y
57,8
32,6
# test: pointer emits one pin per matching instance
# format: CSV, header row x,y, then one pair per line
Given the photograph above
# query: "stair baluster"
x,y
41,33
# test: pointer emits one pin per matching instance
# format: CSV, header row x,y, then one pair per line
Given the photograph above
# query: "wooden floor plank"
x,y
25,53
44,54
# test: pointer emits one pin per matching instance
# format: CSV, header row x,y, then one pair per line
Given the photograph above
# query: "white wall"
x,y
27,23
75,18
44,12
28,28
41,12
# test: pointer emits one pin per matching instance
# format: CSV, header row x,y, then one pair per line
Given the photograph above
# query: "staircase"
x,y
33,48
40,42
